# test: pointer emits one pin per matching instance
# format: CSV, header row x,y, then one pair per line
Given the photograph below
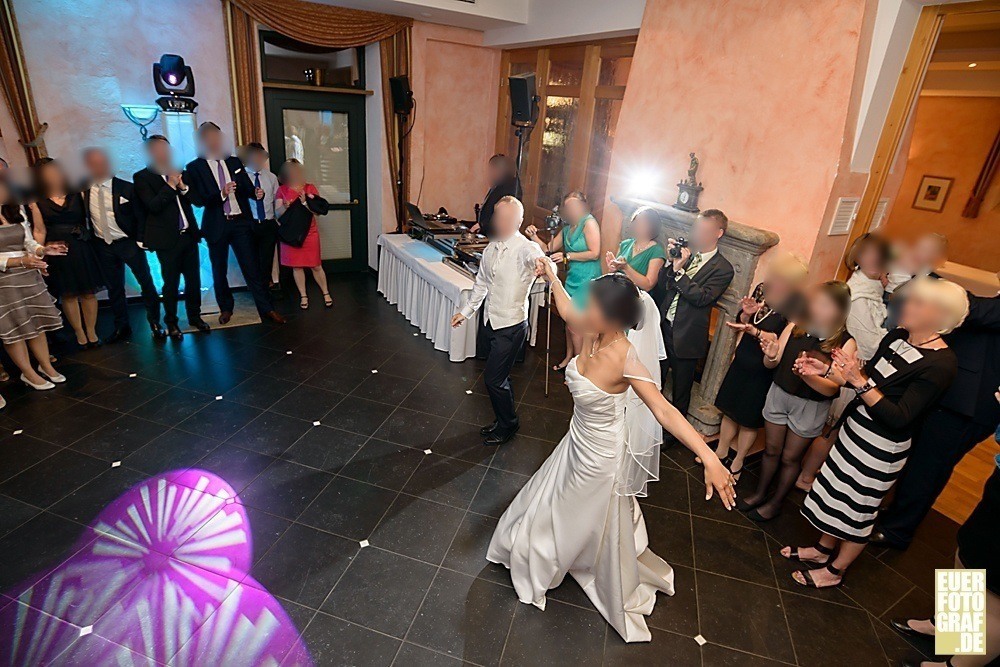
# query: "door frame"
x,y
901,108
278,99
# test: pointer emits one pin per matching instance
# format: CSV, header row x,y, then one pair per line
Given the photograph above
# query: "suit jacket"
x,y
158,213
511,187
122,204
208,194
977,345
694,308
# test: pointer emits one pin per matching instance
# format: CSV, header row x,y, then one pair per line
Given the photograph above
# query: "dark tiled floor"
x,y
370,503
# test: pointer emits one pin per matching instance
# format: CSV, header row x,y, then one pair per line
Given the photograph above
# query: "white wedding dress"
x,y
573,517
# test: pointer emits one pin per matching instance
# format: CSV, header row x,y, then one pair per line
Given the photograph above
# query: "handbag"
x,y
294,223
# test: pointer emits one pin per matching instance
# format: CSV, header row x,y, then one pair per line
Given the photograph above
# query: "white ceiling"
x,y
966,59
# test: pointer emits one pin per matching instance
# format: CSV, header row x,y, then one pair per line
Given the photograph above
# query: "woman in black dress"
x,y
75,279
911,368
741,397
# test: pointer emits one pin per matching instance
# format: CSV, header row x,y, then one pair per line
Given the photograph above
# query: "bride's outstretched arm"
x,y
717,478
564,305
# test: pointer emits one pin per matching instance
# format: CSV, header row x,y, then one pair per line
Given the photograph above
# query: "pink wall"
x,y
951,138
455,86
87,57
765,109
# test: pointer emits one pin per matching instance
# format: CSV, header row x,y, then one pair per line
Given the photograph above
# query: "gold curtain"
x,y
319,25
16,87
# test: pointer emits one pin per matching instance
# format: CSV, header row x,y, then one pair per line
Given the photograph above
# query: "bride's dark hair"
x,y
618,298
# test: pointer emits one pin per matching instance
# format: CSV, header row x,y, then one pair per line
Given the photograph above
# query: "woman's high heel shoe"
x,y
37,387
58,378
304,303
327,300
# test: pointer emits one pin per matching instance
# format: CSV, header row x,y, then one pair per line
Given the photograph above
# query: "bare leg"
x,y
39,347
19,353
300,283
88,304
744,441
814,458
319,275
774,442
847,554
71,310
727,436
791,462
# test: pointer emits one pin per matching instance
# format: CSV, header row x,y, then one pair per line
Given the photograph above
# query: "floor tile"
x,y
84,504
307,403
339,378
743,616
333,641
260,391
670,491
417,528
174,450
238,467
20,452
120,438
349,508
128,394
325,448
467,552
719,656
381,590
220,419
304,564
285,489
497,490
173,406
270,433
445,480
411,428
411,655
383,464
522,455
214,379
13,513
358,415
29,551
677,613
71,424
732,551
561,634
434,399
465,618
46,482
544,424
669,535
851,640
386,388
462,441
294,367
682,650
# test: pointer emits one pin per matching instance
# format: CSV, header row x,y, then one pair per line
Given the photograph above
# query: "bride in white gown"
x,y
578,514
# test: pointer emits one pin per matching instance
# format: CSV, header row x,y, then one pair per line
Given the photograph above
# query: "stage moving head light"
x,y
175,81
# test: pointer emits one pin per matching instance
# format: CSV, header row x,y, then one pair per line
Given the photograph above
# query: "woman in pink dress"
x,y
293,186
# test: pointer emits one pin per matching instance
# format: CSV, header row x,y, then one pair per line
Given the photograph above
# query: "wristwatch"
x,y
678,273
865,388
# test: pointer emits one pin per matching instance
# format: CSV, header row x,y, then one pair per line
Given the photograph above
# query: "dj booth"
x,y
428,292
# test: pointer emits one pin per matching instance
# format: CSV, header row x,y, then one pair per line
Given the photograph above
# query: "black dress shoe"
x,y
499,436
157,331
174,332
880,539
486,430
225,316
118,335
201,325
901,626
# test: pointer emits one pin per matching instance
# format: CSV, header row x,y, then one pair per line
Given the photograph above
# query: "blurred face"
x,y
497,173
777,289
705,234
160,154
928,253
52,178
643,229
98,165
870,260
256,160
573,210
506,220
211,142
824,315
919,314
595,321
294,174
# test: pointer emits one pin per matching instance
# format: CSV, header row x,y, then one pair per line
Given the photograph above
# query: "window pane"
x,y
565,73
614,71
557,134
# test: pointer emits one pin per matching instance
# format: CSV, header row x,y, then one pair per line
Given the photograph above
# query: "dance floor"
x,y
316,494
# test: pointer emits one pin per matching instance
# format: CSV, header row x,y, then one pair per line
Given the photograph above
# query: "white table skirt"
x,y
428,293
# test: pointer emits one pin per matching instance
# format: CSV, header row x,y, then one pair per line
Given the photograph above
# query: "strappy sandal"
x,y
327,300
304,302
793,555
736,473
811,583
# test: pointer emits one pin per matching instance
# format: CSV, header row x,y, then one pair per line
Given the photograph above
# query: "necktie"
x,y
226,208
102,205
258,202
689,272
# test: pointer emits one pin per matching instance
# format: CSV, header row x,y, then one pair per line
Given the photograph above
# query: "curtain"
x,y
986,176
17,88
319,25
395,56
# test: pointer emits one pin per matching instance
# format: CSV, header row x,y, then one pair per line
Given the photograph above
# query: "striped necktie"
x,y
689,272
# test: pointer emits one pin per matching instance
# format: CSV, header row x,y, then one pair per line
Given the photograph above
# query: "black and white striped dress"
x,y
874,441
26,307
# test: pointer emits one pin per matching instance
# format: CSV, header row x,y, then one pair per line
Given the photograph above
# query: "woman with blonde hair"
x,y
771,309
910,370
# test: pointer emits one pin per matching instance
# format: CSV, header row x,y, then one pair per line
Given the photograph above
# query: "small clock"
x,y
687,197
684,197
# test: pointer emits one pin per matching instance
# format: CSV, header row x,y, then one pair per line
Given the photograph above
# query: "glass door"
x,y
326,133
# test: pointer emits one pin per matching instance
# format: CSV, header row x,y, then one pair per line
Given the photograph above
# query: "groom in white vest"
x,y
505,276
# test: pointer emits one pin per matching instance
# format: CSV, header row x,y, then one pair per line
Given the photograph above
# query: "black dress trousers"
x,y
503,347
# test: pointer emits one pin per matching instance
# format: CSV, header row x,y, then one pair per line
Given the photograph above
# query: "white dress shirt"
x,y
180,206
269,184
31,246
102,212
505,276
213,165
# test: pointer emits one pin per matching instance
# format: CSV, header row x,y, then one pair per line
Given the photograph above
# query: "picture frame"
x,y
933,193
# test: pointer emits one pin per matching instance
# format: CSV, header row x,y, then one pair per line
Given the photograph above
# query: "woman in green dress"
x,y
640,257
578,245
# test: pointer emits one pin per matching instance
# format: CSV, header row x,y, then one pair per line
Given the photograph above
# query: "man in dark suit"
x,y
503,183
168,228
222,187
110,204
691,283
966,415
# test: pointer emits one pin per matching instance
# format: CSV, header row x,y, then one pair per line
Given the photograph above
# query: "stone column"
x,y
742,246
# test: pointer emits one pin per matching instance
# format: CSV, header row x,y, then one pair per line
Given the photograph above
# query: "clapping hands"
x,y
849,366
805,365
749,305
614,263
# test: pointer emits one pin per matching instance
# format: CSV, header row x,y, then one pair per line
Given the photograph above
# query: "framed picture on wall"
x,y
932,193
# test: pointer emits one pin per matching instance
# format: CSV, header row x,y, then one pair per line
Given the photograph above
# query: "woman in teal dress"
x,y
641,257
578,245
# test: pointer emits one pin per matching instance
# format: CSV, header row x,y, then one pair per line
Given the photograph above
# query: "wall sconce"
x,y
142,115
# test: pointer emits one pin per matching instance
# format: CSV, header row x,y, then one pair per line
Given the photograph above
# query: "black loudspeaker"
x,y
402,96
523,101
